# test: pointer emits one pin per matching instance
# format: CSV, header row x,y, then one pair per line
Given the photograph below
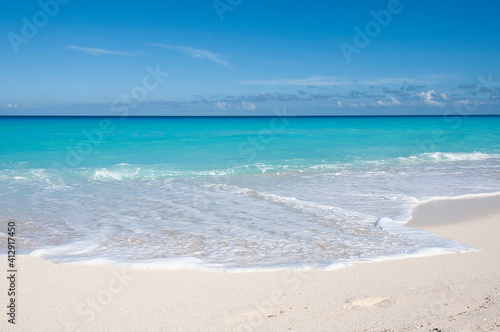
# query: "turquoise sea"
x,y
237,193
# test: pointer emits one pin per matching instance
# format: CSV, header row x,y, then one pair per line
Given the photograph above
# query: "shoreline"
x,y
458,209
418,221
458,292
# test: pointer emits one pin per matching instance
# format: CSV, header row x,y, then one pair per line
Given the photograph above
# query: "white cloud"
x,y
329,81
444,96
353,105
248,106
428,98
391,102
11,105
339,103
97,51
471,103
196,53
221,105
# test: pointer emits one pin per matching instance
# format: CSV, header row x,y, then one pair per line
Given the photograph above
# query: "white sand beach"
x,y
453,292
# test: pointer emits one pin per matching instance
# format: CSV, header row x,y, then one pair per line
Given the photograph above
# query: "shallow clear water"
x,y
236,193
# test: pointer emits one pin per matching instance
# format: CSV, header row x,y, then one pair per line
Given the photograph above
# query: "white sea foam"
x,y
267,217
298,204
441,156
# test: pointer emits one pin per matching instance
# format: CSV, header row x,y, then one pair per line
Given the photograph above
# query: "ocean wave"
x,y
449,157
124,171
292,202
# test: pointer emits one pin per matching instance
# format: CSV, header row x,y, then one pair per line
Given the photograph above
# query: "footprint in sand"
x,y
367,303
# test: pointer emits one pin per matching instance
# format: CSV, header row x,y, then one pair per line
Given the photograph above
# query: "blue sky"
x,y
242,57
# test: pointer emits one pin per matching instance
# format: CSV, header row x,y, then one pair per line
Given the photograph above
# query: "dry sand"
x,y
454,292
